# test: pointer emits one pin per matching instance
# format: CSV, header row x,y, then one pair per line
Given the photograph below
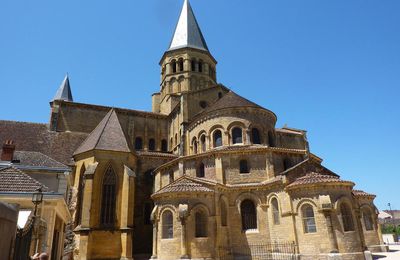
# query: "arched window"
x,y
200,171
152,144
176,139
271,139
224,214
180,62
81,187
167,225
286,164
255,136
243,166
368,223
171,176
108,198
347,217
193,65
194,144
237,135
201,224
217,138
203,143
307,212
200,66
138,143
249,215
173,65
164,145
275,211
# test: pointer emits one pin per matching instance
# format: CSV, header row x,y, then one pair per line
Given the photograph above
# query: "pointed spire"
x,y
187,32
64,91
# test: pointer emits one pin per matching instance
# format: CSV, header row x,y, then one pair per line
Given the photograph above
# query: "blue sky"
x,y
330,67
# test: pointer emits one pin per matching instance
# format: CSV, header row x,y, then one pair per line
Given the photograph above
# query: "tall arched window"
x,y
307,213
180,63
176,139
171,176
347,217
224,214
203,143
368,223
255,136
201,224
286,164
171,142
81,187
164,145
167,225
271,139
217,138
194,145
193,65
108,198
152,144
249,215
173,65
138,143
200,66
237,135
243,166
275,211
200,171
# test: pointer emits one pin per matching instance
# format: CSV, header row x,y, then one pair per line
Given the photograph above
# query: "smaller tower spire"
x,y
187,32
64,91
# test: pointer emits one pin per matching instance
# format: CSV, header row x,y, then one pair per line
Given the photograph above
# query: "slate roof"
x,y
182,185
187,32
37,137
64,91
108,135
318,178
14,180
361,193
30,158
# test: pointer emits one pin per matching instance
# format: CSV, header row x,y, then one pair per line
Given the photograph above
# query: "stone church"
x,y
205,175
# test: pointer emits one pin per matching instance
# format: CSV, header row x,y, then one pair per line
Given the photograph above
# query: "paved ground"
x,y
394,253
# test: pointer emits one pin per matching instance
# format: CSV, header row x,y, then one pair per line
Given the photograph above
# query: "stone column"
x,y
248,136
183,214
154,220
226,140
269,165
219,170
126,212
331,232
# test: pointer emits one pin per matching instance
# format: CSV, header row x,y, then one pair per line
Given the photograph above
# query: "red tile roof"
x,y
318,178
182,185
14,180
361,193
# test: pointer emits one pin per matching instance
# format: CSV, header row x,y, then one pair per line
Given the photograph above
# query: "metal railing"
x,y
265,251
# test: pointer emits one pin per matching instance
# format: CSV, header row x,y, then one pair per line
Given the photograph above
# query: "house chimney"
x,y
7,154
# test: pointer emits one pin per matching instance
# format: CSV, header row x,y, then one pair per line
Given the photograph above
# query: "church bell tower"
x,y
187,65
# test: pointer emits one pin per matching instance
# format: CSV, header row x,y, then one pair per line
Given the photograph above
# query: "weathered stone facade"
x,y
204,174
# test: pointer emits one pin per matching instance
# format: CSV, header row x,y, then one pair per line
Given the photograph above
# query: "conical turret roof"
x,y
64,91
187,32
108,135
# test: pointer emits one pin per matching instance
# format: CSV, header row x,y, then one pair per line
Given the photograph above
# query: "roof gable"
x,y
185,184
108,135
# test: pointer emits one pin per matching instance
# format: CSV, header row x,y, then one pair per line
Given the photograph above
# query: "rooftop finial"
x,y
64,91
187,32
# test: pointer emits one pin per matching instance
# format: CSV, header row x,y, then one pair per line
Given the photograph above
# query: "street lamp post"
x,y
37,199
